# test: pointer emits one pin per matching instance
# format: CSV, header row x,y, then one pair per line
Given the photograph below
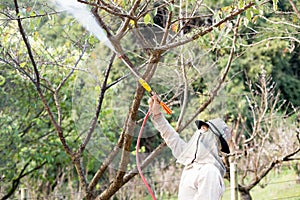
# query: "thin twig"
x,y
114,11
28,46
207,30
295,8
28,17
185,92
99,106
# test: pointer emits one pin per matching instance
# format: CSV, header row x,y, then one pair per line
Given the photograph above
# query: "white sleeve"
x,y
168,133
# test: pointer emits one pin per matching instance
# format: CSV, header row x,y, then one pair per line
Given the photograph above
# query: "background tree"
x,y
263,140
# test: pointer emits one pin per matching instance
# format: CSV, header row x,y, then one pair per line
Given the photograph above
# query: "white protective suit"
x,y
202,177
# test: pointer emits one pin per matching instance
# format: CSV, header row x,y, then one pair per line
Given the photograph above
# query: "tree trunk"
x,y
297,170
245,195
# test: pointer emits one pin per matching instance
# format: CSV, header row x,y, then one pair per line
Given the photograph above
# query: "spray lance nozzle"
x,y
147,87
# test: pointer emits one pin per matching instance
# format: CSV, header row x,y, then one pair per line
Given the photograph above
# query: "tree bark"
x,y
245,195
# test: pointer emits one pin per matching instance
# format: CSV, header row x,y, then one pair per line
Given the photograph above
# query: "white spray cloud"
x,y
84,16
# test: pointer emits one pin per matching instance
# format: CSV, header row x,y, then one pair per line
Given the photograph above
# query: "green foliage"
x,y
26,134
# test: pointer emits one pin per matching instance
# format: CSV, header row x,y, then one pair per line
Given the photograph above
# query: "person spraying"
x,y
202,176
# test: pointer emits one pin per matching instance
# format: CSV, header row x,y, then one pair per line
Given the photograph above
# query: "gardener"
x,y
202,177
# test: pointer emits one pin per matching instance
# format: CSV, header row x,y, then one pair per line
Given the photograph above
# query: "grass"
x,y
276,186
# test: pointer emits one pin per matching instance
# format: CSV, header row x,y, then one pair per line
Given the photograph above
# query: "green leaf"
x,y
254,19
295,19
248,15
92,40
241,3
275,5
32,14
31,25
2,80
23,64
148,19
226,9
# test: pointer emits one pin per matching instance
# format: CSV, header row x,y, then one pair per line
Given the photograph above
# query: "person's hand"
x,y
154,105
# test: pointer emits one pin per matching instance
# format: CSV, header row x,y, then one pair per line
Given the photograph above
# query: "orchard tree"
x,y
184,49
265,136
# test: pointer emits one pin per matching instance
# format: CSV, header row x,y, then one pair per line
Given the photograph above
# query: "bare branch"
x,y
101,22
28,17
124,26
37,83
22,174
279,22
207,30
55,95
214,91
77,161
72,69
265,172
166,31
128,130
16,66
185,92
108,8
295,8
269,39
146,162
105,164
28,46
99,105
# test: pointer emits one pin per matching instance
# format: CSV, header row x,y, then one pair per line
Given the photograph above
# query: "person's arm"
x,y
168,133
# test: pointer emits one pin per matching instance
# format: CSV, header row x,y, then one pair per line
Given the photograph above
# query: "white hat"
x,y
220,129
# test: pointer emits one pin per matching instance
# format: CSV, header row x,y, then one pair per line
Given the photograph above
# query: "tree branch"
x,y
295,8
28,47
37,83
214,91
207,30
279,22
108,8
185,92
127,132
99,105
28,17
22,174
269,168
55,95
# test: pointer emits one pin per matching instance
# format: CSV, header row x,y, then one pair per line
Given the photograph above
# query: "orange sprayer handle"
x,y
165,107
147,87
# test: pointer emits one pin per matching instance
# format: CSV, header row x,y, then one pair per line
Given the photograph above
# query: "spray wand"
x,y
144,84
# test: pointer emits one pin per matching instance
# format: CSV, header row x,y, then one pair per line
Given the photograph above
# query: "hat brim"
x,y
199,123
224,144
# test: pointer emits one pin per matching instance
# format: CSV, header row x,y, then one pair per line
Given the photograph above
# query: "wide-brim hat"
x,y
220,129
